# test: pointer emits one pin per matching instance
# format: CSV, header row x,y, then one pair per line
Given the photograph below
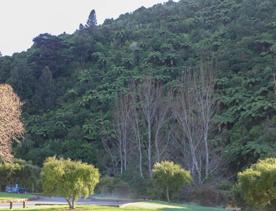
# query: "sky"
x,y
22,20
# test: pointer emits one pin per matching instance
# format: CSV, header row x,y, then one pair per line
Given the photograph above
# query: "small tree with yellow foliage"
x,y
70,179
257,184
169,177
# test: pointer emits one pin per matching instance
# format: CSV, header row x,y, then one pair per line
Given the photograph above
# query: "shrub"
x,y
169,177
206,194
70,179
114,186
257,184
20,172
106,185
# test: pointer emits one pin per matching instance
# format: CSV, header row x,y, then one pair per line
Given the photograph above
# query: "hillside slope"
x,y
69,82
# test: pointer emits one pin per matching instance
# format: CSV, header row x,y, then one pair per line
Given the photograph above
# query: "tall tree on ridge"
x,y
92,19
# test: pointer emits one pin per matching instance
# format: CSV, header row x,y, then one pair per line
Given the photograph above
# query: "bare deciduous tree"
x,y
193,109
122,117
149,120
149,92
161,118
10,120
136,126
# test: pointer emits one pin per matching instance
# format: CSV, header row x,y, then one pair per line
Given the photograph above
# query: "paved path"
x,y
61,201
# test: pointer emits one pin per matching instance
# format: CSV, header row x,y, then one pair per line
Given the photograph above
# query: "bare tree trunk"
x,y
121,157
125,150
140,157
167,194
206,101
149,146
194,159
156,141
122,116
138,137
149,93
161,118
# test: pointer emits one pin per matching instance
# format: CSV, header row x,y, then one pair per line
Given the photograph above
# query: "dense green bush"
x,y
71,179
207,194
22,173
126,187
169,178
257,184
113,186
106,185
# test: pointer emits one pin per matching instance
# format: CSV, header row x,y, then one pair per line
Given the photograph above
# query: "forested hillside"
x,y
113,94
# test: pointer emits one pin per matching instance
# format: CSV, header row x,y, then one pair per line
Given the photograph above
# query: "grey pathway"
x,y
61,201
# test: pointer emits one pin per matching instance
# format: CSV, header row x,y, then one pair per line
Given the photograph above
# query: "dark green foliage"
x,y
69,82
92,20
113,186
22,173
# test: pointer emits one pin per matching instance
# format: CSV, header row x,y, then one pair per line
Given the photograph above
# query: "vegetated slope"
x,y
69,82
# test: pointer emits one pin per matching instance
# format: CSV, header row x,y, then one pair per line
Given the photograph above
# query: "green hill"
x,y
69,82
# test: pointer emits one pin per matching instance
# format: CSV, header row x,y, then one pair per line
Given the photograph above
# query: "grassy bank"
x,y
13,196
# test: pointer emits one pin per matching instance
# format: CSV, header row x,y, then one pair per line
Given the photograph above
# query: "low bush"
x,y
169,178
206,194
257,185
113,186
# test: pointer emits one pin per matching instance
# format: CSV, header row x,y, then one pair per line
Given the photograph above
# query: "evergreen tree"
x,y
92,19
81,26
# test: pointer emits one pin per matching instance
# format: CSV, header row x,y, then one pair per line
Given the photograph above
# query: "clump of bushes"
x,y
113,186
206,194
20,172
169,178
257,184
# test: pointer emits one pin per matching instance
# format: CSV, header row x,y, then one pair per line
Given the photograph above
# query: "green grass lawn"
x,y
13,196
141,206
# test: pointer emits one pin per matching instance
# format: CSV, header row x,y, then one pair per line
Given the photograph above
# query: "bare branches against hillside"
x,y
193,109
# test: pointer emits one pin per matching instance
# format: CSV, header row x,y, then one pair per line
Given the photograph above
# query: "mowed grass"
x,y
13,196
169,206
141,206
